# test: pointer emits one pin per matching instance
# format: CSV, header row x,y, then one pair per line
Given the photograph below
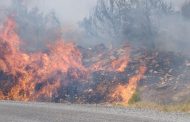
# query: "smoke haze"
x,y
68,11
173,30
39,62
71,10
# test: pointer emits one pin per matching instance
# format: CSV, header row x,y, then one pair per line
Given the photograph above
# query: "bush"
x,y
120,20
135,98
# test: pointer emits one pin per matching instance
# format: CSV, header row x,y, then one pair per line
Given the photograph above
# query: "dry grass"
x,y
135,102
183,107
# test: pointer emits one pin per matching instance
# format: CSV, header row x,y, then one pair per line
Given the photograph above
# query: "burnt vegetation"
x,y
132,63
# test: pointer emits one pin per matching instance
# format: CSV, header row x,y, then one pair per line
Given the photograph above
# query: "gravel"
x,y
50,112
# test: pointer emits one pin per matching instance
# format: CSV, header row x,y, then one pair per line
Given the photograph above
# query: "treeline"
x,y
132,21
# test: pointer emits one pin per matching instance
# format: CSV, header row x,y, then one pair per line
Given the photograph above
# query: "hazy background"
x,y
73,11
173,30
70,11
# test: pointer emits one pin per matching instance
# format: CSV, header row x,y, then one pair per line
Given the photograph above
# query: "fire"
x,y
47,75
120,64
32,73
9,45
123,93
117,64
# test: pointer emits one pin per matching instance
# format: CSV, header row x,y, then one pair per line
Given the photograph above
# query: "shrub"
x,y
135,98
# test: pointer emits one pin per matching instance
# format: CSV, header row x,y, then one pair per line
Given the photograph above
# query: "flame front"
x,y
32,73
43,76
123,93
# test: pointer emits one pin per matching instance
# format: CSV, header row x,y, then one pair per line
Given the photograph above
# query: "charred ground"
x,y
69,73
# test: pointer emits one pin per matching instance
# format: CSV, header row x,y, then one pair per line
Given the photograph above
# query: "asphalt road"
x,y
49,112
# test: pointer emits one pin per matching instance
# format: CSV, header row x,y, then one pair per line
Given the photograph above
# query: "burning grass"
x,y
65,72
59,74
37,75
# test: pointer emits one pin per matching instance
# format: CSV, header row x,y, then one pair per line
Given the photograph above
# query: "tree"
x,y
34,28
121,20
186,10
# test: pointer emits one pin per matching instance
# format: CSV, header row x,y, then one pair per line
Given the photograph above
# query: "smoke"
x,y
177,3
33,18
57,72
68,11
162,25
174,34
172,29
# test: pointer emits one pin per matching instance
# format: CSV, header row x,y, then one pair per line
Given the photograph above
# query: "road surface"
x,y
49,112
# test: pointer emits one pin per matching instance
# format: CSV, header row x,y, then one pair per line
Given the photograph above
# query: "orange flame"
x,y
123,93
29,70
39,76
118,64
